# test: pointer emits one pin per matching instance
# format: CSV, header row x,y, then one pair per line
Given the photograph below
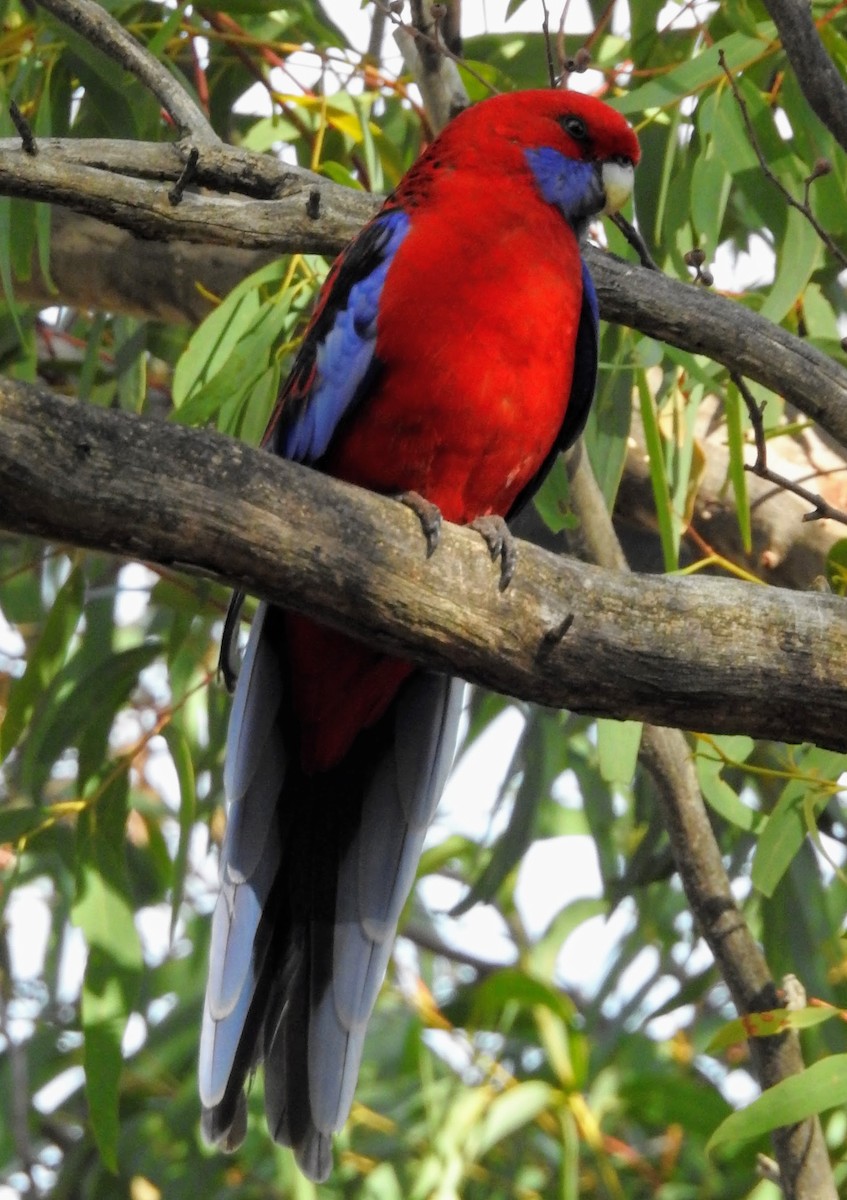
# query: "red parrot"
x,y
452,354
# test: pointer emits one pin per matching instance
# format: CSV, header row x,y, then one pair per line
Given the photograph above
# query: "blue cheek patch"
x,y
568,183
344,356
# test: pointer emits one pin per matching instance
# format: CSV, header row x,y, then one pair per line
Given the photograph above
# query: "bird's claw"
x,y
428,514
501,544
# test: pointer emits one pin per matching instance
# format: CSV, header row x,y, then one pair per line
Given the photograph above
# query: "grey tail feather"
x,y
315,872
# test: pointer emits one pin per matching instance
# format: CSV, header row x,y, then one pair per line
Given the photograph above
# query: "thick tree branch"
x,y
315,216
709,654
105,269
704,323
655,304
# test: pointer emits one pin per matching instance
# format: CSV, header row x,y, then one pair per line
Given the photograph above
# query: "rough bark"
x,y
309,214
707,654
817,74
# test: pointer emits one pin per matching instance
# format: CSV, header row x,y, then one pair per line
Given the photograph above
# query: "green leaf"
x,y
104,911
6,242
783,835
710,188
508,1112
797,260
658,475
697,73
511,985
16,823
720,796
607,431
131,362
731,139
257,406
818,1088
836,567
618,743
49,654
738,476
91,361
184,766
215,339
551,499
770,1024
107,688
79,710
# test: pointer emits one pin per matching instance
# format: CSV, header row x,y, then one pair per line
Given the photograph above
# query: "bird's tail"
x,y
315,872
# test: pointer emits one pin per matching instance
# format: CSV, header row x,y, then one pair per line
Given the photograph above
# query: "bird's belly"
x,y
470,400
468,444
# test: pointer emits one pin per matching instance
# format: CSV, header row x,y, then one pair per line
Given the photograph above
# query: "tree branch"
x,y
683,651
816,73
800,1149
704,323
655,304
309,215
105,269
805,1172
92,22
802,206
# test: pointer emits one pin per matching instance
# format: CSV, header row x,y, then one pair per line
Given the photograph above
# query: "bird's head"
x,y
580,153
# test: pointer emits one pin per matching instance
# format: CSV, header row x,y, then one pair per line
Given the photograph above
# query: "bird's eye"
x,y
575,126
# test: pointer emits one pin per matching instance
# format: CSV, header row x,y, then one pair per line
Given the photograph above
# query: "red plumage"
x,y
477,332
452,353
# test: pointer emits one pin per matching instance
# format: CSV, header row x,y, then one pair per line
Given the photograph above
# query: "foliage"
x,y
489,1079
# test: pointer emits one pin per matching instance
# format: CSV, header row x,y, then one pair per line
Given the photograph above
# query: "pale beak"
x,y
618,176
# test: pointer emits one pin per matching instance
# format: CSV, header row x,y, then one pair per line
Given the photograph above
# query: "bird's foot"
x,y
428,514
501,544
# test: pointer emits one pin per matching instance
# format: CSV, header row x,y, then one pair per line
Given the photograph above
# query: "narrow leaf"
x,y
508,1112
737,473
46,658
618,743
104,911
184,767
658,475
783,836
770,1024
818,1088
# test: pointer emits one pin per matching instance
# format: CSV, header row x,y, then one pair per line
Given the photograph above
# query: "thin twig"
x,y
548,45
434,44
22,125
635,240
100,29
374,50
187,175
801,206
821,508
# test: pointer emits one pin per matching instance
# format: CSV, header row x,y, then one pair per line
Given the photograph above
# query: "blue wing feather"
x,y
337,361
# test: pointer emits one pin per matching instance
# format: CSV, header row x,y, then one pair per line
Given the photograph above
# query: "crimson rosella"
x,y
452,355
